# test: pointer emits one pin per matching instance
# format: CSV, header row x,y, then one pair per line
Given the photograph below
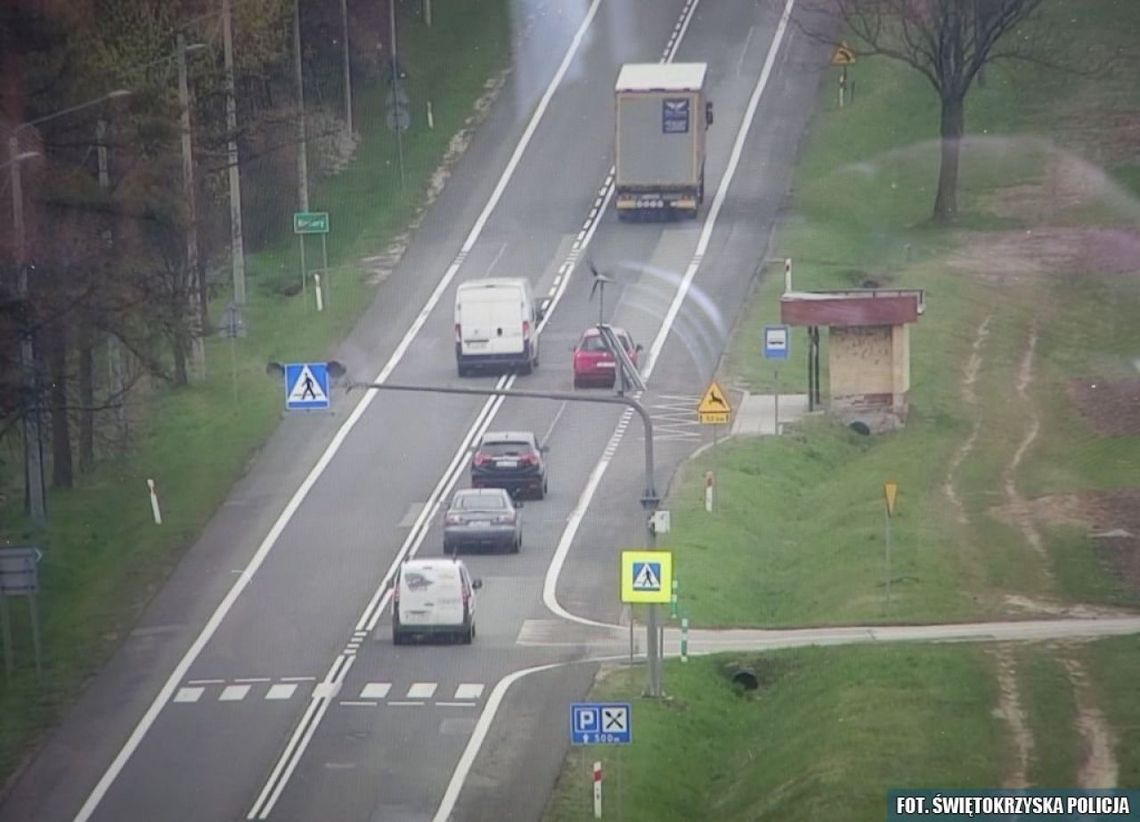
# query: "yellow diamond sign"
x,y
646,576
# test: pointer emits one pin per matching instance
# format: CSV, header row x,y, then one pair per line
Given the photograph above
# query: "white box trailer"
x,y
659,153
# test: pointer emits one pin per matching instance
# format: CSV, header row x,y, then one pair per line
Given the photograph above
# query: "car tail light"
x,y
503,519
528,459
396,593
526,329
480,459
452,519
466,596
458,333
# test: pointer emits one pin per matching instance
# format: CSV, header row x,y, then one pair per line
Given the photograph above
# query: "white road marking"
x,y
550,584
403,704
412,514
234,693
188,694
254,679
468,690
298,679
281,691
421,690
353,703
206,682
456,704
375,690
327,690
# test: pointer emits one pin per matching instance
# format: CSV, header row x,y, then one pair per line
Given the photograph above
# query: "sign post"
x,y
311,222
890,489
647,578
19,576
715,410
843,57
777,347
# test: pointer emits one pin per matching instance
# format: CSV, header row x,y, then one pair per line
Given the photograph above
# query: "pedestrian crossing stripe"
x,y
646,576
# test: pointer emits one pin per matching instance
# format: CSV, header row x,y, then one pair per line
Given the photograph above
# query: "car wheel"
x,y
468,634
517,544
397,637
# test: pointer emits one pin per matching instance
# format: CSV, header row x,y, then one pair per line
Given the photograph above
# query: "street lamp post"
x,y
195,277
35,494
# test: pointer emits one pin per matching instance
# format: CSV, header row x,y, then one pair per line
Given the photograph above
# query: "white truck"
x,y
659,151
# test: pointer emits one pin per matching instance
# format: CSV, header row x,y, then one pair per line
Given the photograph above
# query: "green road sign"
x,y
311,222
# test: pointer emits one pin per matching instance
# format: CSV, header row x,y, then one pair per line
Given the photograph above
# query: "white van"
x,y
496,325
432,597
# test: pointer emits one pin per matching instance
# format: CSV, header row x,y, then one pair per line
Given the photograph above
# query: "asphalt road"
x,y
262,681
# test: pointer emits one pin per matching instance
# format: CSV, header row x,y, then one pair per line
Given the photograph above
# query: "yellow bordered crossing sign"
x,y
646,576
890,490
714,408
844,55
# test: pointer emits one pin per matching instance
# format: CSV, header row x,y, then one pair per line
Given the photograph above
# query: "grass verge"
x,y
826,735
104,557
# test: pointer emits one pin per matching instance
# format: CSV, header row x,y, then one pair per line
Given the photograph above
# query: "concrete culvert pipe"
x,y
860,427
741,676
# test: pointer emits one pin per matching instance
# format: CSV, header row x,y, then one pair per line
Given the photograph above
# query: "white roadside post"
x,y
317,289
597,790
154,502
709,490
684,639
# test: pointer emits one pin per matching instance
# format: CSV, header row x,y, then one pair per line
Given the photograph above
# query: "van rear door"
x,y
431,595
491,320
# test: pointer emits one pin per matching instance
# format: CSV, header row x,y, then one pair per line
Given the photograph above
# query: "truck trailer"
x,y
659,147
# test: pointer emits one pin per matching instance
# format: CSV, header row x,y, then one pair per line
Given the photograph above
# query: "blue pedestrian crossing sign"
x,y
646,576
601,723
306,386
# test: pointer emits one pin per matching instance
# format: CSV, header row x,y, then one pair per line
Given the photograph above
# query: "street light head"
x,y
119,93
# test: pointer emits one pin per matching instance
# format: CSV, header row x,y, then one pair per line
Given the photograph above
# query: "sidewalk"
x,y
757,413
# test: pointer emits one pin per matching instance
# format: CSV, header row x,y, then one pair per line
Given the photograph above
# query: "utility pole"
x,y
236,247
302,149
114,347
194,278
35,498
347,66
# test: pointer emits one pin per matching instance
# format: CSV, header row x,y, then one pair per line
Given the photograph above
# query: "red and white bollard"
x,y
597,790
787,275
710,485
154,502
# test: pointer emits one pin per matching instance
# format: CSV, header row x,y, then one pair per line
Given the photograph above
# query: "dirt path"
x,y
1099,768
970,397
1018,506
1009,708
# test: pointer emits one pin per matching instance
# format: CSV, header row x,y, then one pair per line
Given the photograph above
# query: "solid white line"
x,y
456,704
205,681
482,725
550,583
298,679
404,704
356,704
254,679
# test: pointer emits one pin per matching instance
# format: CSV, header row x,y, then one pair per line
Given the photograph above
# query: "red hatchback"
x,y
594,364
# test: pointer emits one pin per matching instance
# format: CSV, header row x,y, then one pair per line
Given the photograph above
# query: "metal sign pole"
x,y
887,516
4,616
33,605
304,273
776,430
325,262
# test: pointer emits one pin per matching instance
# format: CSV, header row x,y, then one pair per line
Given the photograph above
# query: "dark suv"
x,y
512,460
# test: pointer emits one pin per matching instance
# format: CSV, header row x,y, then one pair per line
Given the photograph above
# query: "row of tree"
x,y
105,274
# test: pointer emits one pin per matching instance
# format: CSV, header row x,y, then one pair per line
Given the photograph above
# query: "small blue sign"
x,y
777,342
306,386
675,115
647,576
601,723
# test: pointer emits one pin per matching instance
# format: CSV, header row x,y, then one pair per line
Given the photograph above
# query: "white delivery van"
x,y
433,597
496,325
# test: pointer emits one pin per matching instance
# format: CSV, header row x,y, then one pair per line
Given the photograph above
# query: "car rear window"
x,y
593,343
499,449
480,501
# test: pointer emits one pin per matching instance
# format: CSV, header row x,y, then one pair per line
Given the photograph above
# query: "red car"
x,y
594,364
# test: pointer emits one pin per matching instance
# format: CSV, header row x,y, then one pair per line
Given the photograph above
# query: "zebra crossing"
x,y
370,694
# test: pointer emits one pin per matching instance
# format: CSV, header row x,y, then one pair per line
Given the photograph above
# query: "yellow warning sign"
x,y
890,489
844,55
714,408
646,576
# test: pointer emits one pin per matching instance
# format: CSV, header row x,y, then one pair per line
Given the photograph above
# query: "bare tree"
x,y
949,42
